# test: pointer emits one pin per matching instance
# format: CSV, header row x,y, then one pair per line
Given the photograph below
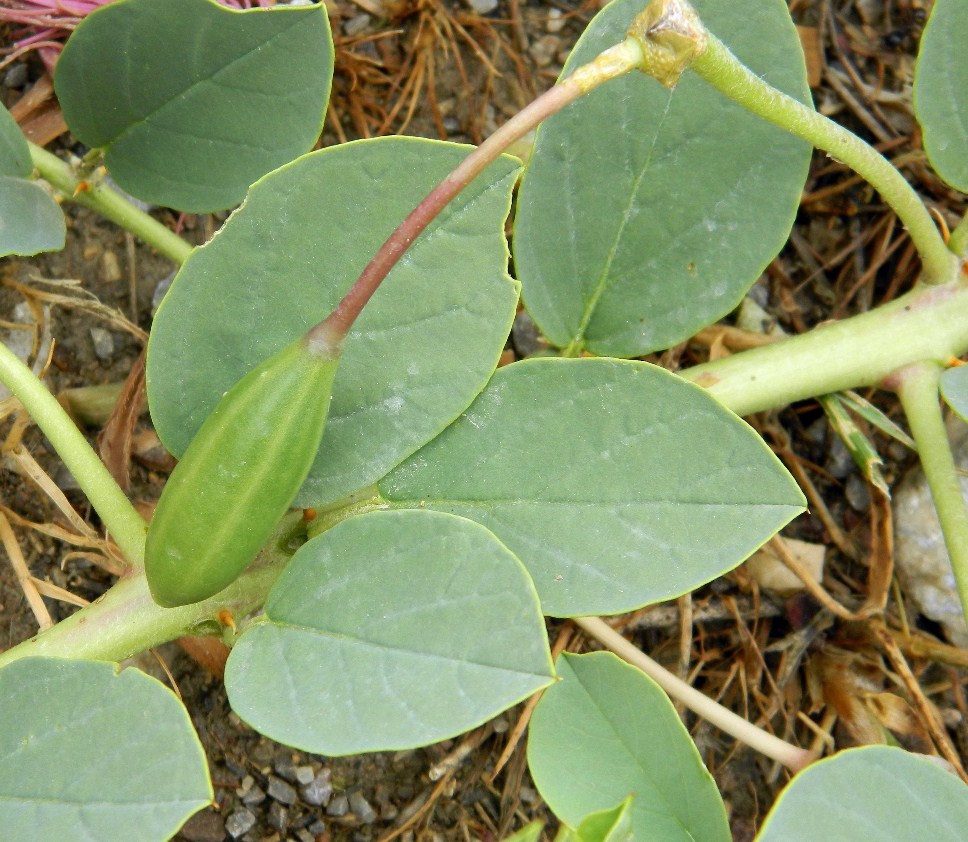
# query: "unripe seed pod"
x,y
240,474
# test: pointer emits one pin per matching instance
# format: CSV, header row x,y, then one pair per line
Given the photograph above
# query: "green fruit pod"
x,y
239,475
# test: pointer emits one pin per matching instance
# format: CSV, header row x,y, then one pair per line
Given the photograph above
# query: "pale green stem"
x,y
928,323
958,242
718,66
124,524
111,204
126,620
917,387
791,756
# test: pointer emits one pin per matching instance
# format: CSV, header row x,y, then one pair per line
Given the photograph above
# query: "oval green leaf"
x,y
423,347
14,152
954,389
941,91
646,214
607,730
91,753
193,101
873,792
390,631
615,482
31,221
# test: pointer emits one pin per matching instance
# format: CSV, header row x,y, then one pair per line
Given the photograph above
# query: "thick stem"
x,y
718,66
917,387
110,204
125,525
126,620
927,323
608,65
791,756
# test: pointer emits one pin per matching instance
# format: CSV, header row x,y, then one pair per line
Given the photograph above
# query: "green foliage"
x,y
941,91
191,101
423,347
392,630
31,221
615,482
606,730
874,792
647,214
57,781
551,487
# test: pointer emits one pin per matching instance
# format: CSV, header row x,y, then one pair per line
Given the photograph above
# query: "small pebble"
x,y
544,50
525,337
483,7
16,76
247,783
103,343
361,808
556,21
239,822
319,790
304,774
236,769
339,806
317,828
280,791
356,24
284,766
304,835
256,795
857,493
839,461
278,817
110,268
163,286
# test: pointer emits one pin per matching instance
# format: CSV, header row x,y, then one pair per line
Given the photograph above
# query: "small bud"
x,y
671,36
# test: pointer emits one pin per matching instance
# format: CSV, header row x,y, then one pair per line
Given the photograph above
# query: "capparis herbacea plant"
x,y
333,348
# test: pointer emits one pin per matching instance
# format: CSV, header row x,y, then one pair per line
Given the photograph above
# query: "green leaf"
x,y
91,753
528,833
614,825
392,630
941,91
859,446
14,152
193,101
607,730
646,213
30,220
615,482
954,389
422,348
873,792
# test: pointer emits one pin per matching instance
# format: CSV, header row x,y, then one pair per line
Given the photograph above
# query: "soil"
x,y
766,657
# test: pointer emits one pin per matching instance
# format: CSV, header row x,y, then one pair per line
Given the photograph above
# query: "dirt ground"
x,y
440,68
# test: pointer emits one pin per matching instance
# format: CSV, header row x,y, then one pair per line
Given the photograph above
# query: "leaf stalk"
x,y
110,204
917,387
611,63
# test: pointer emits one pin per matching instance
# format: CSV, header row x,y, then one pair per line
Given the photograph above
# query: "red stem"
x,y
609,64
